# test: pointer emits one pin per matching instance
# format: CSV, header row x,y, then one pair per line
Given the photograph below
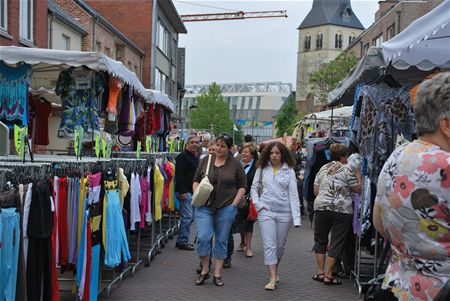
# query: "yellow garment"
x,y
274,171
159,189
81,208
171,189
124,186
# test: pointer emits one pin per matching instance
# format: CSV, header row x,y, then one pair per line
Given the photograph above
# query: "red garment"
x,y
114,89
55,284
42,109
87,282
62,223
168,170
144,200
156,121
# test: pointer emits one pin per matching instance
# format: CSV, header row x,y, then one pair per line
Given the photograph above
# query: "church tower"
x,y
327,30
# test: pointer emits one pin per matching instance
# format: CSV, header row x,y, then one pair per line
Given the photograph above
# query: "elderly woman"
x,y
243,225
333,211
412,207
274,193
216,217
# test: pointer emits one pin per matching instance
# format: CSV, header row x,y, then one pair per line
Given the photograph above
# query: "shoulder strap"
x,y
260,177
207,166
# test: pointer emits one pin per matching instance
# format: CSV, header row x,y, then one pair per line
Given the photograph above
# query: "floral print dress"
x,y
414,197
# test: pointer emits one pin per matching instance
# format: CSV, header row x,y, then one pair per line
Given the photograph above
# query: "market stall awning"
x,y
161,98
365,70
425,43
44,60
339,113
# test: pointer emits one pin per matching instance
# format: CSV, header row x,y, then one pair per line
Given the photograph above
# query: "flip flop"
x,y
331,281
318,277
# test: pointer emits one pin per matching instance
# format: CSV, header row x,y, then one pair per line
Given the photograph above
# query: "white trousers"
x,y
274,229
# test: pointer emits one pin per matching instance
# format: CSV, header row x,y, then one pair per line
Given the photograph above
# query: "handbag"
x,y
252,213
244,203
204,189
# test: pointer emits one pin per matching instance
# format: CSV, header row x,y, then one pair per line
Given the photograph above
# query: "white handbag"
x,y
204,189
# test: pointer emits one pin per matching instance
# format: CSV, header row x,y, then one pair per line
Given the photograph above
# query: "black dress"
x,y
241,223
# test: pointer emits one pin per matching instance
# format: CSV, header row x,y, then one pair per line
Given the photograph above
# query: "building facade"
x,y
392,17
328,29
103,36
64,32
24,23
251,105
154,25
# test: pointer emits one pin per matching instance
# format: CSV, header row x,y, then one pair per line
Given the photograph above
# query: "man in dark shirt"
x,y
185,167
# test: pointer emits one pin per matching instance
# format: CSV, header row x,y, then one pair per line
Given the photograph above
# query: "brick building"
x,y
103,36
24,23
392,17
154,25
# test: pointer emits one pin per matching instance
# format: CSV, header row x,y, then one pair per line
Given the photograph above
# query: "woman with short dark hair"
x,y
277,204
333,211
216,217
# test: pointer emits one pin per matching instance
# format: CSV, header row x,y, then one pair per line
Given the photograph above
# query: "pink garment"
x,y
169,173
144,200
94,179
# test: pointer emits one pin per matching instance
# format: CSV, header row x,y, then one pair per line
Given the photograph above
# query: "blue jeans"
x,y
219,225
186,219
9,252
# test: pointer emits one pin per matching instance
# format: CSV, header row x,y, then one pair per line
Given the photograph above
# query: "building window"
x,y
4,14
351,38
307,44
338,41
233,107
98,46
118,52
319,41
65,42
258,107
163,38
108,54
241,111
26,20
391,32
250,105
377,41
161,81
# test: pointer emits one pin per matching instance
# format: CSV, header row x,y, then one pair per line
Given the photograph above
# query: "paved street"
x,y
172,274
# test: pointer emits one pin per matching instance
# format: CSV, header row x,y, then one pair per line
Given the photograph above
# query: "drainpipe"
x,y
50,33
94,35
398,12
153,53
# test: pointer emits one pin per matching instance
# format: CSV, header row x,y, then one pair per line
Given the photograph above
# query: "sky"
x,y
251,50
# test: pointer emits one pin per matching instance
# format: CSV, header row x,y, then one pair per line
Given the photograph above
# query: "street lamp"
x,y
191,108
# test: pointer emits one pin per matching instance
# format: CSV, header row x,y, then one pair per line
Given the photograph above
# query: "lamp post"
x,y
192,108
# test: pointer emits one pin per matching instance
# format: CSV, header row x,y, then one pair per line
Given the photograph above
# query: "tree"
x,y
239,135
212,112
287,117
327,77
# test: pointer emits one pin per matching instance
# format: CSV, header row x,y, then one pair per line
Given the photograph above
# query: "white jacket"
x,y
279,192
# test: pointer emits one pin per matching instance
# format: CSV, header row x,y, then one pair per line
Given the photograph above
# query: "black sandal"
x,y
202,278
218,281
318,277
331,281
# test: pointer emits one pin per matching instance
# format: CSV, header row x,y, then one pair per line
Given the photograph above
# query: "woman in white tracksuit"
x,y
277,204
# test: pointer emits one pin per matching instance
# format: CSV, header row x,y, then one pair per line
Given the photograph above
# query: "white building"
x,y
251,105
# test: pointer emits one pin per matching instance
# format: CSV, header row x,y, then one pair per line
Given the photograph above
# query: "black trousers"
x,y
39,266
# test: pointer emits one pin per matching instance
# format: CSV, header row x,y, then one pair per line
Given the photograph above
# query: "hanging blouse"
x,y
114,88
14,83
79,89
158,191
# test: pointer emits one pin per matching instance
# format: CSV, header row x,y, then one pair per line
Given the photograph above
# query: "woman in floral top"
x,y
412,208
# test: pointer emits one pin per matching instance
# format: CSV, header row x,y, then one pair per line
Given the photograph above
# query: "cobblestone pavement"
x,y
171,276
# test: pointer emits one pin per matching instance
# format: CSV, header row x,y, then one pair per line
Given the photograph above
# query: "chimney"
x,y
384,7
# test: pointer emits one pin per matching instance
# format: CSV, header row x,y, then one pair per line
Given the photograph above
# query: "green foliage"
x,y
212,112
286,117
239,136
327,77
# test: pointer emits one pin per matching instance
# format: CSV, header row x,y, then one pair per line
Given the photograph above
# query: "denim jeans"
x,y
217,224
186,219
9,252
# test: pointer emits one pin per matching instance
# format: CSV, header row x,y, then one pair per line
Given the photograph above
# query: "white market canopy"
x,y
48,63
161,98
339,113
425,43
